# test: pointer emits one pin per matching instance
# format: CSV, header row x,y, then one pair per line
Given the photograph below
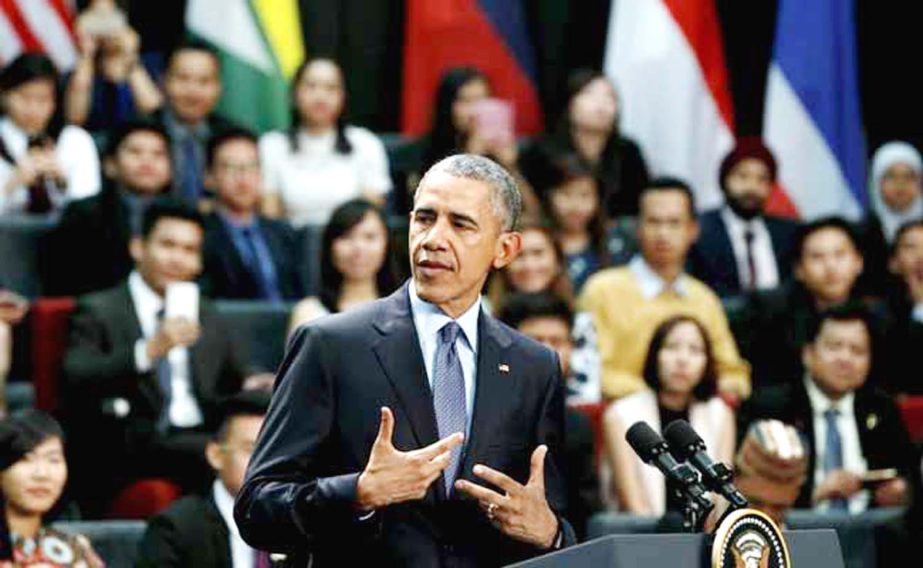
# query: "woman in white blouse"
x,y
321,162
43,164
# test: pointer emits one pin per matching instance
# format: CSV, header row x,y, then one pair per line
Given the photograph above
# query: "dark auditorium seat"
x,y
912,410
262,324
310,260
21,237
116,542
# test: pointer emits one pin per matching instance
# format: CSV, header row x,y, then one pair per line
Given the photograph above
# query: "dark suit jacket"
x,y
301,483
712,259
580,470
190,532
882,434
226,276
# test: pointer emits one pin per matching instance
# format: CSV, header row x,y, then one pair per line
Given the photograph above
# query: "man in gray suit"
x,y
418,430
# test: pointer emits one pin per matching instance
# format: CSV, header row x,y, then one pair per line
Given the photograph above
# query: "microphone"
x,y
687,445
652,450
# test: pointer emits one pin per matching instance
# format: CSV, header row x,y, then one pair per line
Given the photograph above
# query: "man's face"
x,y
907,261
229,457
829,265
141,163
455,239
172,252
553,333
747,187
840,358
235,175
666,227
192,85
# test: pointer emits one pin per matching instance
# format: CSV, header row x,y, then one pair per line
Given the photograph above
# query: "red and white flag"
x,y
666,58
46,26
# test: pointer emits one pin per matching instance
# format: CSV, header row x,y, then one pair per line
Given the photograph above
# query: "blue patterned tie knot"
x,y
449,332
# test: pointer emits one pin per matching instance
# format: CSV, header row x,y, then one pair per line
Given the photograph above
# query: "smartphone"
x,y
182,301
101,23
875,477
494,120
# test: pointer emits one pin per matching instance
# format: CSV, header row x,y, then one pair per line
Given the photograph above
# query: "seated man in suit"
x,y
199,530
905,302
740,248
246,255
628,303
851,427
141,384
89,249
548,319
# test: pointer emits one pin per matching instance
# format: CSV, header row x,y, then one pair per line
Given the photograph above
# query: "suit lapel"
x,y
235,267
218,533
728,258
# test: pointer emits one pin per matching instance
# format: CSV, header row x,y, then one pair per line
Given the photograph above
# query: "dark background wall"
x,y
366,36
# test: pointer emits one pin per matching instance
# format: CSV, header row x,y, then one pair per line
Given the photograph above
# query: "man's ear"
x,y
508,246
109,168
807,353
213,455
136,249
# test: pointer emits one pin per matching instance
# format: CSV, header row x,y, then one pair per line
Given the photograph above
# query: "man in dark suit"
x,y
741,248
199,530
905,301
850,427
246,255
141,382
385,420
88,251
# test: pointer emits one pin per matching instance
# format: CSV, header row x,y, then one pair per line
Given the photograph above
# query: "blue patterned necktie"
x,y
164,380
833,454
191,177
449,395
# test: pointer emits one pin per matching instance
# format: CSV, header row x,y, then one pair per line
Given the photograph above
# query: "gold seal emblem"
x,y
748,538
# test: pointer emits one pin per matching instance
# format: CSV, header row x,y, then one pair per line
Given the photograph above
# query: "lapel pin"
x,y
504,368
871,421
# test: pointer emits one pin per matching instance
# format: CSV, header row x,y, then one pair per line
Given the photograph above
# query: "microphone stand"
x,y
696,508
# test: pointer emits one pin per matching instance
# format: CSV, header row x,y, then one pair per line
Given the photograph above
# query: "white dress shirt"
x,y
651,284
428,320
76,155
853,460
242,555
184,411
764,257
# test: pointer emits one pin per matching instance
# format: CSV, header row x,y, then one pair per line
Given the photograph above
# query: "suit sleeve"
x,y
160,548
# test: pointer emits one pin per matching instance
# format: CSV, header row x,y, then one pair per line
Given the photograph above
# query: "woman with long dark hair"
x,y
355,263
321,161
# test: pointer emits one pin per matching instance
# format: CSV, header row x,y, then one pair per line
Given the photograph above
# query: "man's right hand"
x,y
392,476
173,332
839,484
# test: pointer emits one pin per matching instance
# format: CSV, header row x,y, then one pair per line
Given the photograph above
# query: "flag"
x,y
45,26
812,117
490,35
666,58
260,46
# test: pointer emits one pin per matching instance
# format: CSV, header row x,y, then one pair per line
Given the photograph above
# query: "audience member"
x,y
740,248
549,319
89,248
13,309
246,255
143,372
852,428
199,530
33,472
321,161
680,371
355,267
905,301
538,268
628,303
43,162
109,85
589,127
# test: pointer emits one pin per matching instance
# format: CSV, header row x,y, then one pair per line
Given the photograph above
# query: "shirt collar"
x,y
652,285
739,225
179,130
233,223
143,294
225,504
820,402
429,319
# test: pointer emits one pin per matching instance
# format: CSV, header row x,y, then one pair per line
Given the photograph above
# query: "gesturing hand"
x,y
523,512
392,476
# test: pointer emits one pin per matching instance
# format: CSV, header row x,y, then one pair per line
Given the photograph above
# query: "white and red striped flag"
x,y
46,26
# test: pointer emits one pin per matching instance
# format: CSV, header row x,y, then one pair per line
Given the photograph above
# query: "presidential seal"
x,y
747,538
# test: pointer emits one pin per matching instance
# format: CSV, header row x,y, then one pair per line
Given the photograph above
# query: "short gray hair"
x,y
505,199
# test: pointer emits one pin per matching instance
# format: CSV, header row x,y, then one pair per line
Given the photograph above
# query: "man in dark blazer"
x,y
741,248
868,433
246,255
140,384
417,430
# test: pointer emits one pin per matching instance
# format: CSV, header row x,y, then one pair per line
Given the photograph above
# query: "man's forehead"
x,y
440,190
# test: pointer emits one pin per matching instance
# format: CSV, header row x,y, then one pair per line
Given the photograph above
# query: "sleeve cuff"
x,y
143,363
917,313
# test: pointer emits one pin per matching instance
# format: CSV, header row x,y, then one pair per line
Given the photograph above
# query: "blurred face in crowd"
x,y
235,175
575,203
193,84
456,237
829,265
666,228
32,485
907,261
840,358
172,252
682,358
31,105
320,94
230,455
466,100
141,163
361,252
537,265
900,186
554,333
747,187
595,106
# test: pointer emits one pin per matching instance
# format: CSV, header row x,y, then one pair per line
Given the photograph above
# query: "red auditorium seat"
x,y
49,339
144,498
912,411
594,411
